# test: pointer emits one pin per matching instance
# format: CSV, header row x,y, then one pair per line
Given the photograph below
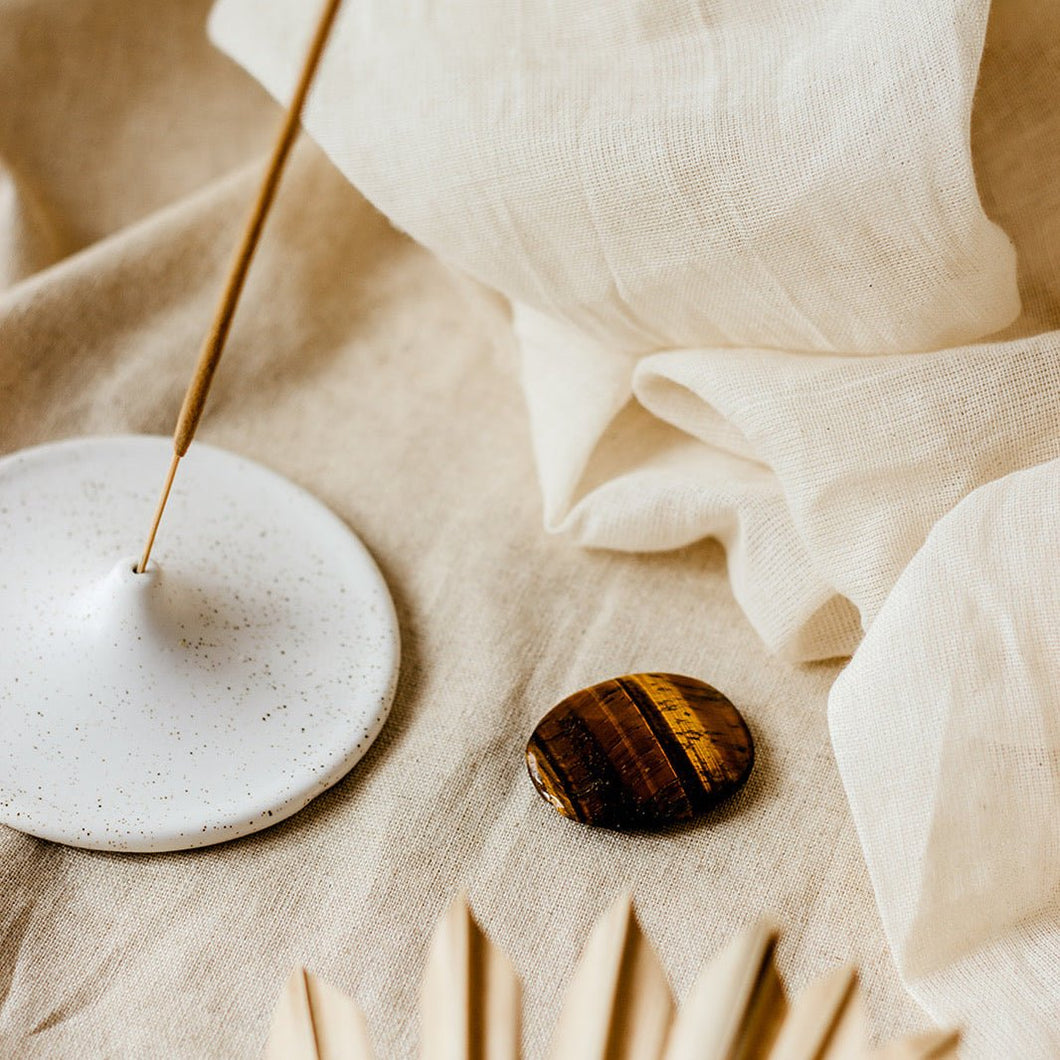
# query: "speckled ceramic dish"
x,y
244,673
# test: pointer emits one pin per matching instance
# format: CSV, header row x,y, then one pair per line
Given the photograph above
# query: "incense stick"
x,y
213,345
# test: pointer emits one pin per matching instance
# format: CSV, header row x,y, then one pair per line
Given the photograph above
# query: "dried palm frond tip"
x,y
618,1006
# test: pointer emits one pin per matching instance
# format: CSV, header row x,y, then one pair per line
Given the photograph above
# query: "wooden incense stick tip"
x,y
142,565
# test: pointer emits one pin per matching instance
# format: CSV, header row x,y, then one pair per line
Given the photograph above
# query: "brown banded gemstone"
x,y
640,750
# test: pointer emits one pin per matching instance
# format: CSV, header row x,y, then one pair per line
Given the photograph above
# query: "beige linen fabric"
x,y
752,278
368,373
758,297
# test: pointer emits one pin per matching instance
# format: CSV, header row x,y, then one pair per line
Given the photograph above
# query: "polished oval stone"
x,y
640,750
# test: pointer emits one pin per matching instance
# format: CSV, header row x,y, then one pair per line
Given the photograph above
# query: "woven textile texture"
x,y
798,356
784,274
388,385
959,825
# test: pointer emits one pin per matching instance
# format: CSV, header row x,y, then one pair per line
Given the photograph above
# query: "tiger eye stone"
x,y
640,750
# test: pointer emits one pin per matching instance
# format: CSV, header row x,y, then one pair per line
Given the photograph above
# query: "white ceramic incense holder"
x,y
246,671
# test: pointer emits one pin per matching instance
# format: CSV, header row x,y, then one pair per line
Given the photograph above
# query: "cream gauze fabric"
x,y
689,206
960,824
779,277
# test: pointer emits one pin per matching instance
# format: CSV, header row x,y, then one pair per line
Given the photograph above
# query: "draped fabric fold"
x,y
762,291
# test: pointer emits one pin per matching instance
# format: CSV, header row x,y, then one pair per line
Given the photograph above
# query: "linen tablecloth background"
x,y
388,385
